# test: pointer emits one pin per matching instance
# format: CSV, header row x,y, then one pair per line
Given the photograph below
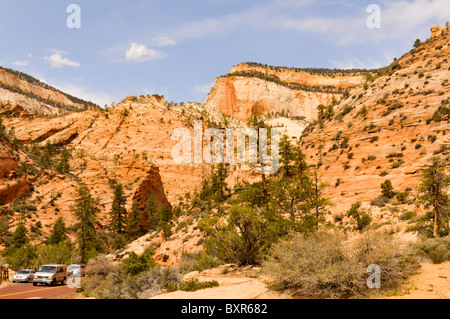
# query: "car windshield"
x,y
24,272
47,269
74,267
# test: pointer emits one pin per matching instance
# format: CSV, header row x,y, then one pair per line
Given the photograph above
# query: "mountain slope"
x,y
387,128
36,96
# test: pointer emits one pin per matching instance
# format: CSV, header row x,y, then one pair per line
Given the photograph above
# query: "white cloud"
x,y
21,63
139,52
206,88
163,41
399,20
56,60
30,55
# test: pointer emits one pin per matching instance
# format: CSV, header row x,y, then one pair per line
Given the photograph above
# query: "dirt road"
x,y
27,290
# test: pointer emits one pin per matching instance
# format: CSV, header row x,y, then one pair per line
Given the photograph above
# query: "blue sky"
x,y
178,47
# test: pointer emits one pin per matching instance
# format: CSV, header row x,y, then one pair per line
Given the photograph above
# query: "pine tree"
x,y
219,186
149,218
58,232
5,234
63,166
19,236
321,112
286,155
256,122
300,165
118,213
433,193
387,189
133,229
318,203
165,216
86,209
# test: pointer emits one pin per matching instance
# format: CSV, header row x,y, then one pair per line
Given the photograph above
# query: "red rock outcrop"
x,y
152,184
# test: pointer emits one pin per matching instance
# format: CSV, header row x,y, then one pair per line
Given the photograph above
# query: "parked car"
x,y
51,275
23,275
77,270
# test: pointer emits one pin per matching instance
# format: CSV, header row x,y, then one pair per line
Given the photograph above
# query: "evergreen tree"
x,y
360,218
433,193
19,236
317,202
63,166
300,165
286,155
387,189
256,122
86,209
5,233
118,213
329,114
321,113
58,232
219,186
149,218
133,228
165,217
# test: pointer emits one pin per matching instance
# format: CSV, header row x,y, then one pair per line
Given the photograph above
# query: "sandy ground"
x,y
433,282
234,283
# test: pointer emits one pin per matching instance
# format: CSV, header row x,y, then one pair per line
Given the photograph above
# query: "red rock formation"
x,y
151,185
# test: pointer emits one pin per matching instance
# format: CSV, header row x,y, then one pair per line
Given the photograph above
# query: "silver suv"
x,y
50,275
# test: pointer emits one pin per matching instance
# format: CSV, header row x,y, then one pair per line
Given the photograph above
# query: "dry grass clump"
x,y
435,249
321,266
105,280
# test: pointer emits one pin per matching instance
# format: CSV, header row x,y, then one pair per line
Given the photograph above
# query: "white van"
x,y
51,275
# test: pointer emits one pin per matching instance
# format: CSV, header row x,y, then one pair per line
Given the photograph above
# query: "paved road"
x,y
27,290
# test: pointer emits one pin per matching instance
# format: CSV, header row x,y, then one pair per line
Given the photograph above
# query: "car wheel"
x,y
34,283
14,282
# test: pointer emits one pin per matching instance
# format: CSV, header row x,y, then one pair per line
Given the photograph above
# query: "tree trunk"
x,y
436,209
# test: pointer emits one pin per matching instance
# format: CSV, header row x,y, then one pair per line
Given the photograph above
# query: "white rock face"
x,y
241,97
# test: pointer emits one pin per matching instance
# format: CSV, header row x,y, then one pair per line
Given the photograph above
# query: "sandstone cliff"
x,y
254,89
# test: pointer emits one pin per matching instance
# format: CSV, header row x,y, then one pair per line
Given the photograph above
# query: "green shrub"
x,y
387,189
436,249
192,285
373,139
106,280
360,218
407,215
320,266
402,197
245,236
197,262
135,264
380,201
